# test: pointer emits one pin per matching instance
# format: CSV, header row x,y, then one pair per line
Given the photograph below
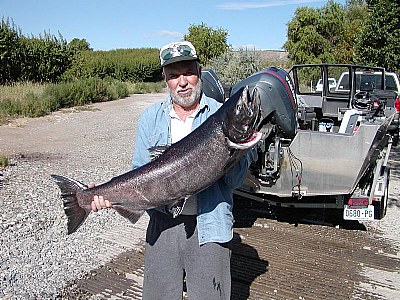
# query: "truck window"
x,y
390,84
369,82
366,82
344,84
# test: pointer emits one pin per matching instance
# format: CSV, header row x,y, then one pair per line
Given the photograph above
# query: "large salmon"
x,y
183,169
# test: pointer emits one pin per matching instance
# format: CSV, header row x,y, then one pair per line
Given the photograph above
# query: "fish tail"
x,y
75,213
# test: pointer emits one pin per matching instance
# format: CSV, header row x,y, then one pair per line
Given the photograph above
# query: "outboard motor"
x,y
212,87
277,98
278,122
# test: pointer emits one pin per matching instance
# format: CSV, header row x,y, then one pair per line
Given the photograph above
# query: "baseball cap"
x,y
177,51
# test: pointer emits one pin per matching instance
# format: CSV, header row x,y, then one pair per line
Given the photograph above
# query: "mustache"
x,y
195,94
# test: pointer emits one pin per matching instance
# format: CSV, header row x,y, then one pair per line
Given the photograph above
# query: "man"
x,y
195,243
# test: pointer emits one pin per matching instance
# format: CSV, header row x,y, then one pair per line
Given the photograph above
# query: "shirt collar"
x,y
173,114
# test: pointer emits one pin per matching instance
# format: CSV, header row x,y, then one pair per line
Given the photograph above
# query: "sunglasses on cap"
x,y
178,51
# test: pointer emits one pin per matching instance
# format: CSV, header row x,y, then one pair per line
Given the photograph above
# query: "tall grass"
x,y
146,87
35,100
18,91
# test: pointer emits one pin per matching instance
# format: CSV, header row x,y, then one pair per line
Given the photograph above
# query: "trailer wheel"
x,y
395,140
381,206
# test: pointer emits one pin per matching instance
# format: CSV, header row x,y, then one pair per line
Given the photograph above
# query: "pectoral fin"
x,y
131,215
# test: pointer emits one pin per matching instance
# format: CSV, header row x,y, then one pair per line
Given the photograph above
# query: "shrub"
x,y
3,161
81,92
146,87
31,106
11,108
233,66
56,96
117,90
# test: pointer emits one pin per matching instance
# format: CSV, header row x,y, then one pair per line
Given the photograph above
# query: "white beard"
x,y
187,101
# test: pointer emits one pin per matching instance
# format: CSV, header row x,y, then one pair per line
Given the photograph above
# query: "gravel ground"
x,y
37,257
389,227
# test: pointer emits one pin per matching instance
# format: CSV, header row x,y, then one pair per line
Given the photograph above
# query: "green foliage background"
x,y
51,59
362,31
323,35
36,59
209,42
134,65
378,43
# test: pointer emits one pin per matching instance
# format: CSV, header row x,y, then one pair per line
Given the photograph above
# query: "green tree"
x,y
356,15
79,45
325,35
209,42
310,34
44,58
37,59
9,51
378,43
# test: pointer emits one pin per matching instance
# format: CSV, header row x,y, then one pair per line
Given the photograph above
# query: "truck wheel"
x,y
381,206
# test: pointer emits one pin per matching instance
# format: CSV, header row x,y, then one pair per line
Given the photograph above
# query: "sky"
x,y
121,24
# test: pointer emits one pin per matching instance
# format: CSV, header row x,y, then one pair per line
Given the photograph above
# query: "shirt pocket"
x,y
158,138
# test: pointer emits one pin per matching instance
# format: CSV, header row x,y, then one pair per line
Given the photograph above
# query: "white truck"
x,y
323,150
369,80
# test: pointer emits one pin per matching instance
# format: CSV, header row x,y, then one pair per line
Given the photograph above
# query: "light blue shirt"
x,y
214,204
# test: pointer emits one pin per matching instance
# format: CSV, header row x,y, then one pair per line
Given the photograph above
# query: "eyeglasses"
x,y
180,50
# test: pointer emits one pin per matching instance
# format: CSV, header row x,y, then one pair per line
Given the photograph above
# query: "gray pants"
x,y
172,250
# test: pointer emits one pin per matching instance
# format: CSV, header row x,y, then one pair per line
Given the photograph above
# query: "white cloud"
x,y
174,34
269,3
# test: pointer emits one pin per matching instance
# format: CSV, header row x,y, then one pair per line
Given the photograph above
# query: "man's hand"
x,y
98,201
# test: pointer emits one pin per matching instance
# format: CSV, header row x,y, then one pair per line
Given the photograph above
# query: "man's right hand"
x,y
98,201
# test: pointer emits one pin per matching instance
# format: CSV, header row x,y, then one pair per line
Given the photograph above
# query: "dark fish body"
x,y
185,168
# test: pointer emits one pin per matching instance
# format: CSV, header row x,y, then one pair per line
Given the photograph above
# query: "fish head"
x,y
241,119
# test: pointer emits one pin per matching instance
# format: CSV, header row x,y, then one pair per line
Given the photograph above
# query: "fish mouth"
x,y
255,137
248,143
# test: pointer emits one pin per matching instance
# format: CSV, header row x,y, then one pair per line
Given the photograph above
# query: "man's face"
x,y
183,82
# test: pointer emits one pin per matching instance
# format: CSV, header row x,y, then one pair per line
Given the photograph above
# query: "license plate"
x,y
358,213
